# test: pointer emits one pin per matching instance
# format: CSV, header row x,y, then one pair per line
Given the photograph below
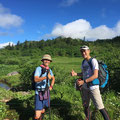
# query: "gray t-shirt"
x,y
88,72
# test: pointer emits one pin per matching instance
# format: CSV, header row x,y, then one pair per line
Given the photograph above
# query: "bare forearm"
x,y
94,76
81,82
39,79
90,79
53,81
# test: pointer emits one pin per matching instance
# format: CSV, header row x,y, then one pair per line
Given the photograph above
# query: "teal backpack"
x,y
103,74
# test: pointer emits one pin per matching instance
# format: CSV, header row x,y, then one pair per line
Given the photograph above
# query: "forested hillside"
x,y
61,47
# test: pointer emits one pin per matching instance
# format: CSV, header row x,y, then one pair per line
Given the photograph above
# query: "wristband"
x,y
51,86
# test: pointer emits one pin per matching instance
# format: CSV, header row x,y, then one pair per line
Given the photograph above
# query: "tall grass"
x,y
66,102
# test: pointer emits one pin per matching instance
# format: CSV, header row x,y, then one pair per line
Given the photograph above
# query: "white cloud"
x,y
117,28
6,44
3,10
66,3
82,28
7,19
74,29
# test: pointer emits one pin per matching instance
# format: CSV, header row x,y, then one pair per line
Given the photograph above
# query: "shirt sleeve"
x,y
95,64
37,71
51,73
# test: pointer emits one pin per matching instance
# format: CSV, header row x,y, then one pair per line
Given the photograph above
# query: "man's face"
x,y
46,62
85,53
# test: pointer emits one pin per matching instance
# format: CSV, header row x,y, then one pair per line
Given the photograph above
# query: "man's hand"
x,y
50,88
73,73
80,82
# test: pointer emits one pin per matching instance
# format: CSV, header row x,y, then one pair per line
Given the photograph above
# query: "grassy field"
x,y
65,100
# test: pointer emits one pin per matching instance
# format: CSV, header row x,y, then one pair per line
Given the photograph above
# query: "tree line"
x,y
59,46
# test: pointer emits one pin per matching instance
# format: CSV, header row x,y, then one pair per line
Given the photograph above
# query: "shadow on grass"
x,y
60,108
23,108
64,109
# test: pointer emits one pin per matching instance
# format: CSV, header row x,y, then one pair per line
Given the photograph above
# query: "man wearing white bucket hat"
x,y
42,77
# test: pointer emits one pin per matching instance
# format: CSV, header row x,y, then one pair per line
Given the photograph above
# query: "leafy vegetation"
x,y
18,103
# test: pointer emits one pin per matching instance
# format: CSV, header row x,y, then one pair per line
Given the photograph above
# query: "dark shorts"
x,y
40,104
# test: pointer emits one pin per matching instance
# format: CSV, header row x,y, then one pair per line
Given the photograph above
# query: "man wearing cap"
x,y
42,77
88,90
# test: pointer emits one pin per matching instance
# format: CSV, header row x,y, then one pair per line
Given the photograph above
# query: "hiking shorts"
x,y
40,104
94,95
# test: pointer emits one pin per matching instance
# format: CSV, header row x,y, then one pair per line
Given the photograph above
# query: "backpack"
x,y
43,70
103,74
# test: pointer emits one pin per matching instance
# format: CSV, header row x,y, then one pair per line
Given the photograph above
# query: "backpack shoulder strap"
x,y
83,62
90,63
43,70
47,80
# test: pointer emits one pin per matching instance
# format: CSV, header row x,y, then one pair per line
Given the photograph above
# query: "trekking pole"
x,y
49,106
48,94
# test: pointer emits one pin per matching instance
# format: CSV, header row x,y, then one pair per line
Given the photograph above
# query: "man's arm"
x,y
53,81
94,76
39,79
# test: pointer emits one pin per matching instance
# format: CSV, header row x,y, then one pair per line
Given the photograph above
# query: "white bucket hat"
x,y
46,57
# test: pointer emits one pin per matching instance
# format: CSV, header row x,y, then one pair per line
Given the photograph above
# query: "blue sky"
x,y
43,19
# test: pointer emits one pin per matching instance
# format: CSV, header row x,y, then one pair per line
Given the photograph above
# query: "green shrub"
x,y
12,62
